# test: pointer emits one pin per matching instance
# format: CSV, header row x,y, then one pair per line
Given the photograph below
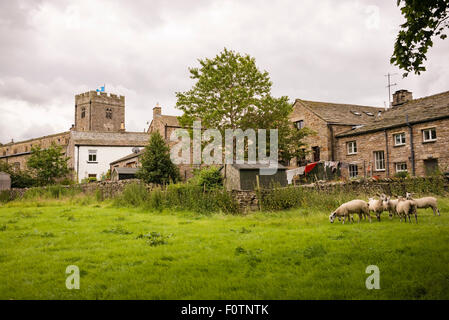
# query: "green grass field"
x,y
294,254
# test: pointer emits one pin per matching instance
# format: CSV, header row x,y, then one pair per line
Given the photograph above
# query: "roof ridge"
x,y
339,103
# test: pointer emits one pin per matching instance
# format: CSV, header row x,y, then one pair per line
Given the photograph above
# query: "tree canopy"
x,y
157,166
48,164
425,19
230,92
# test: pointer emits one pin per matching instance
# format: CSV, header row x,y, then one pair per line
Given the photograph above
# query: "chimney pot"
x,y
157,110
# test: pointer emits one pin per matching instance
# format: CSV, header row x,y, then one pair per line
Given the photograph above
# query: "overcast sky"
x,y
318,50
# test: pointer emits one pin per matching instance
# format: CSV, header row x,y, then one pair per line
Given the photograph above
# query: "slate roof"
x,y
420,110
92,138
126,170
129,156
256,166
349,114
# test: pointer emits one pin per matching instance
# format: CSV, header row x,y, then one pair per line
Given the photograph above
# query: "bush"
x,y
179,197
401,174
209,178
5,196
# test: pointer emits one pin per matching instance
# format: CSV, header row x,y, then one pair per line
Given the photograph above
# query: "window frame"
x,y
94,155
299,122
351,172
431,139
379,161
354,147
109,113
399,164
401,134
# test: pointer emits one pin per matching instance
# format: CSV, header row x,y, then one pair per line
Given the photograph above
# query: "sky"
x,y
324,50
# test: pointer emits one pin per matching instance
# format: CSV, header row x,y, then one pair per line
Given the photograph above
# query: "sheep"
x,y
426,202
405,208
390,206
352,207
375,206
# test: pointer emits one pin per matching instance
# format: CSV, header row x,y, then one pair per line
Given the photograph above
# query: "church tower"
x,y
100,112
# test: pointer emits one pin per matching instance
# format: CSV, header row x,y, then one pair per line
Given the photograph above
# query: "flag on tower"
x,y
101,89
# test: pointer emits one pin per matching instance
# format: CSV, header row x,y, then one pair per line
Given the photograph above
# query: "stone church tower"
x,y
99,112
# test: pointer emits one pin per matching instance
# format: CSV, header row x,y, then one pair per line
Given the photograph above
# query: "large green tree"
x,y
231,92
157,166
48,164
425,19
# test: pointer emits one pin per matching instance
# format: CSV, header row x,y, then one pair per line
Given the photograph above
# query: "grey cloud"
x,y
326,50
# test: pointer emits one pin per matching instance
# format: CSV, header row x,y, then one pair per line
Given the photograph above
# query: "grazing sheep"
x,y
390,206
359,207
426,202
376,206
405,208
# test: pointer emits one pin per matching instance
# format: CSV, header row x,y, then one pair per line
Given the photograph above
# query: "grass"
x,y
129,253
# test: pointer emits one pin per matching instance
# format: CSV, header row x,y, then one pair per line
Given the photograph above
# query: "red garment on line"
x,y
309,167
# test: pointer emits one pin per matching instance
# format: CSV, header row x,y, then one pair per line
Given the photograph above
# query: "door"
x,y
316,154
430,166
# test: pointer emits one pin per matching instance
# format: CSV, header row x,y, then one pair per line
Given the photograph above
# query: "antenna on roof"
x,y
388,75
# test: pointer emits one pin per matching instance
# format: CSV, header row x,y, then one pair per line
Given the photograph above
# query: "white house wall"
x,y
105,155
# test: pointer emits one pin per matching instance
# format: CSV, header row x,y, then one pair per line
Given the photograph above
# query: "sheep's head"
x,y
408,196
332,217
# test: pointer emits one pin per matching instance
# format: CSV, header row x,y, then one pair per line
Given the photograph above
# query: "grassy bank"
x,y
294,254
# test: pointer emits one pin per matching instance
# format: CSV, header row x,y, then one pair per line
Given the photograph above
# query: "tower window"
x,y
108,113
83,112
92,156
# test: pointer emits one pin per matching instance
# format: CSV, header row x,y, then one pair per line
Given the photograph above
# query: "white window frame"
x,y
351,172
402,140
298,122
351,147
399,164
379,162
94,155
431,138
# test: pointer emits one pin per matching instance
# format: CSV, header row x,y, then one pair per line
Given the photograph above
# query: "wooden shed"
x,y
5,181
123,173
244,176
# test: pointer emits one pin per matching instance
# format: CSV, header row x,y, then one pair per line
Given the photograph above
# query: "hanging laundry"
x,y
309,167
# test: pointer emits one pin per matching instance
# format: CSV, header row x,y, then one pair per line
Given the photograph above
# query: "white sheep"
x,y
390,206
375,206
426,202
359,207
405,208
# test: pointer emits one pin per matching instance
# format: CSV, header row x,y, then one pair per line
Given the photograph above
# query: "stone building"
x,y
411,136
97,137
327,120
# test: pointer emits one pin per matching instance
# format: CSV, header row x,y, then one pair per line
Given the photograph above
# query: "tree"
x,y
425,19
48,164
231,92
157,166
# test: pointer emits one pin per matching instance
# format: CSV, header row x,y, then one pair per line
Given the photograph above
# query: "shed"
x,y
244,176
123,173
5,181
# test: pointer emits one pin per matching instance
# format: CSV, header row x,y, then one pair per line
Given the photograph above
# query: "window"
x,y
299,124
399,139
92,156
108,113
379,160
429,135
353,170
401,167
83,112
352,147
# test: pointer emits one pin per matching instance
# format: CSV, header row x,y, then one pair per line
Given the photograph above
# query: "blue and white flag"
x,y
101,89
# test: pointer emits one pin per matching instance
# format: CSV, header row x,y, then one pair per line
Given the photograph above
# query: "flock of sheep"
x,y
402,207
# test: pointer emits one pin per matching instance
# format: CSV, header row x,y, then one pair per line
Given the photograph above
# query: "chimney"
x,y
157,111
400,97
